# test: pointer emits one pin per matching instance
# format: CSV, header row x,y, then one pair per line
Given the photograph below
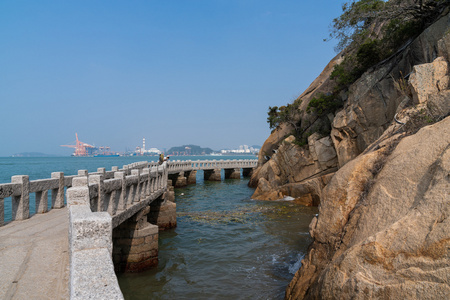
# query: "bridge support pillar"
x,y
247,172
170,194
178,179
233,173
135,244
181,180
191,177
163,212
212,175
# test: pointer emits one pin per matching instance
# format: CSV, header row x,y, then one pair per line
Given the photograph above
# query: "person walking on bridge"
x,y
161,158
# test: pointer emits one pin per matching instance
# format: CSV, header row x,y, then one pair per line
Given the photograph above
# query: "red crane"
x,y
80,147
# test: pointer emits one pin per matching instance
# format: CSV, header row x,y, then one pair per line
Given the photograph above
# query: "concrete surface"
x,y
34,258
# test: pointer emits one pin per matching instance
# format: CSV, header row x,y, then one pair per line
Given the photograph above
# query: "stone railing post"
x,y
99,180
2,211
146,189
137,191
58,194
21,203
165,172
41,201
83,173
126,170
90,247
102,171
122,198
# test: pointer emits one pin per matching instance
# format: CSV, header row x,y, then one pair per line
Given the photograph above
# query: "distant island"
x,y
33,154
189,150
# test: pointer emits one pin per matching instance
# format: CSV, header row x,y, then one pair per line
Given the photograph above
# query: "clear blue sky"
x,y
202,72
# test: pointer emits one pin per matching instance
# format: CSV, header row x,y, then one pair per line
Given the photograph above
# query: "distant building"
x,y
143,151
243,149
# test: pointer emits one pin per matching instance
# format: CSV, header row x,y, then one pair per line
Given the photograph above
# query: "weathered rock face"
x,y
376,97
372,102
429,79
322,84
382,179
383,229
292,164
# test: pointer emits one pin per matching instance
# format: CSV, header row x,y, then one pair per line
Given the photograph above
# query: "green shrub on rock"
x,y
324,104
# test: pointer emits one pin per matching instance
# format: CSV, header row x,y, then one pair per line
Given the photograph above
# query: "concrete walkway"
x,y
34,258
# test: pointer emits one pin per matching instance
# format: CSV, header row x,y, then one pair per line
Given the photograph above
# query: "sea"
x,y
225,245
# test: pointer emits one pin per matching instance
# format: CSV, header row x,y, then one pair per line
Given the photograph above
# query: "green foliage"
x,y
372,51
376,29
345,73
323,104
368,54
273,118
356,18
373,30
284,114
363,19
396,32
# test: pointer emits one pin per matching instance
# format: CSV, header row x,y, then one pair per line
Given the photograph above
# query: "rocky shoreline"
x,y
381,179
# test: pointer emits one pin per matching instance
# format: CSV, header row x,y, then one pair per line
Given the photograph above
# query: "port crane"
x,y
81,148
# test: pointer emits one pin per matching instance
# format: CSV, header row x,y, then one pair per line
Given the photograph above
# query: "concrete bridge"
x,y
113,222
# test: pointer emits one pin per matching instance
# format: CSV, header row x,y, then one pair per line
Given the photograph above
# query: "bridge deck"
x,y
34,258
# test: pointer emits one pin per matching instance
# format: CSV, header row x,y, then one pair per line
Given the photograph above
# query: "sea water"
x,y
225,245
42,167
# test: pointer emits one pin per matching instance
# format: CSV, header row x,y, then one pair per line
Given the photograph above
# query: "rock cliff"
x,y
383,230
370,106
382,178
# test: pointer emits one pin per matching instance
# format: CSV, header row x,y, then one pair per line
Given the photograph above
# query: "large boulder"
x,y
383,230
291,164
429,79
322,84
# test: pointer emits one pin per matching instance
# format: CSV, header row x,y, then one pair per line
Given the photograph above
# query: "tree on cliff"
x,y
370,31
373,30
363,19
284,114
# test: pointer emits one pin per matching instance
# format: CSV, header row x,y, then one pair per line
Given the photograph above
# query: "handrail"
x,y
96,206
20,187
97,203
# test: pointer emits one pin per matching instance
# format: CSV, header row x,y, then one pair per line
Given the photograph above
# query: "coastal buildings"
x,y
243,149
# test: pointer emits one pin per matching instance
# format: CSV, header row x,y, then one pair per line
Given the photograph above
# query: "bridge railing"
x,y
46,194
96,206
181,166
223,164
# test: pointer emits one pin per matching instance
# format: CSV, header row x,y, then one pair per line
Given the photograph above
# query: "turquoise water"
x,y
226,246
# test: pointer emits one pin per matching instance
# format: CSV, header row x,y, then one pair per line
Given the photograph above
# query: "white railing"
x,y
118,187
21,187
182,166
96,206
99,202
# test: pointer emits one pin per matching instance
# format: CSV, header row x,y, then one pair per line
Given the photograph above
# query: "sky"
x,y
177,72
